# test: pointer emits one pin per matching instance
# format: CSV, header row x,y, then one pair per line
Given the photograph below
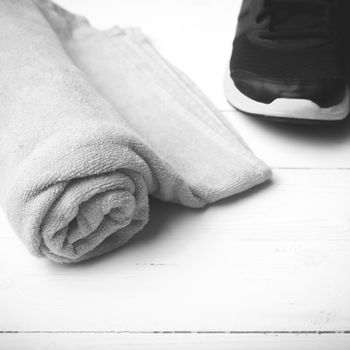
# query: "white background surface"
x,y
269,269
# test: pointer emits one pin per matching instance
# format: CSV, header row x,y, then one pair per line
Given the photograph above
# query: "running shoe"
x,y
288,60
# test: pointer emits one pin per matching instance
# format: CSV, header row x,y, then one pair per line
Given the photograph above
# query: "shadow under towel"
x,y
91,123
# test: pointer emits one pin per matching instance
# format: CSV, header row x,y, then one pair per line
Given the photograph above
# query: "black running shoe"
x,y
288,60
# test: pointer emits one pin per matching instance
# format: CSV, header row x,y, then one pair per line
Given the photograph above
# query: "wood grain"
x,y
273,259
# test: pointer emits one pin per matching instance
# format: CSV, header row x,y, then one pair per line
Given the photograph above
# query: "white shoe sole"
x,y
285,107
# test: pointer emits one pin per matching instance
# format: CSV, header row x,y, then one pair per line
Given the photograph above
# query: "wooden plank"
x,y
196,36
175,341
274,259
295,146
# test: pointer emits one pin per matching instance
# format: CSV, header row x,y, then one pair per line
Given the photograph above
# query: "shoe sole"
x,y
285,108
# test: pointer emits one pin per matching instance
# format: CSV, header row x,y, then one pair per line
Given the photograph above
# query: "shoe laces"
x,y
298,19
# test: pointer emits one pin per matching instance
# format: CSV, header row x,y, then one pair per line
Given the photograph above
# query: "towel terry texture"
x,y
92,123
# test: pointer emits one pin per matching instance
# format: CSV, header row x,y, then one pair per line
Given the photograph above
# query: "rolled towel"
x,y
93,122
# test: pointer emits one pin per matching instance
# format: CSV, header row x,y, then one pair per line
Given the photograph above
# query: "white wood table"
x,y
269,269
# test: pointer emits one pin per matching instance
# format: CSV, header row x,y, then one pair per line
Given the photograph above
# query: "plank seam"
x,y
319,332
305,168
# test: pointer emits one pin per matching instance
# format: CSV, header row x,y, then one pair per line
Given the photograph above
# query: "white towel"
x,y
91,123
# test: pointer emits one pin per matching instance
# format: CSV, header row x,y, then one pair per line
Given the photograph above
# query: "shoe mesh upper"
x,y
311,63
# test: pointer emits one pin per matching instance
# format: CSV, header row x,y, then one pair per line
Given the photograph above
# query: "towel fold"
x,y
92,123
